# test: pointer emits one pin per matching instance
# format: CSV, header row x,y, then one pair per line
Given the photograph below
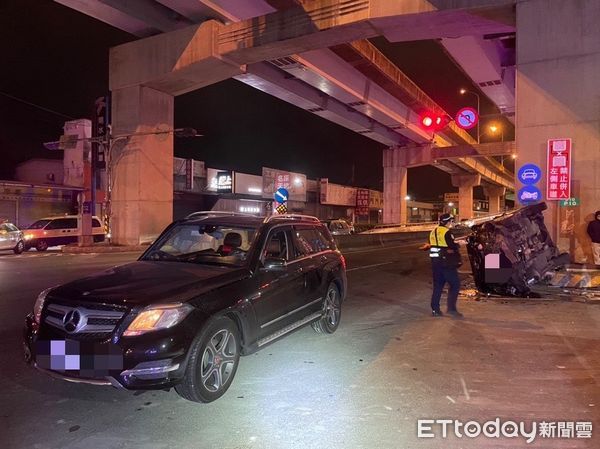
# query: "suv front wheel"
x,y
332,312
214,359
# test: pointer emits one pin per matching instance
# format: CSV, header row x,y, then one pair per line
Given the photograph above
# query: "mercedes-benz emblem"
x,y
71,320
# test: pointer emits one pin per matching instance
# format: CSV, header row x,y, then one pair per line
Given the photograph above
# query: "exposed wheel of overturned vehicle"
x,y
332,311
214,359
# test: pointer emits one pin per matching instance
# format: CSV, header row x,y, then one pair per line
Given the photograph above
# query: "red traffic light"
x,y
427,121
433,122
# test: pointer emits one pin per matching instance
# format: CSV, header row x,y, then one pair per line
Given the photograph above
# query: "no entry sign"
x,y
558,175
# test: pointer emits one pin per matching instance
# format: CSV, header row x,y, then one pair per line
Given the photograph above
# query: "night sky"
x,y
57,58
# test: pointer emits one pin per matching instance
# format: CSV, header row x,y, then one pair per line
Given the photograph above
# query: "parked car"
x,y
62,230
339,227
210,289
11,238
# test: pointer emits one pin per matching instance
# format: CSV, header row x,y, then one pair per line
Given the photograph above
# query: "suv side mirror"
x,y
274,264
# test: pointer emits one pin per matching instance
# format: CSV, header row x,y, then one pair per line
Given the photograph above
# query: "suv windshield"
x,y
211,244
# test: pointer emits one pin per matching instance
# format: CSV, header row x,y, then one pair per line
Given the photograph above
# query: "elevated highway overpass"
x,y
316,54
313,54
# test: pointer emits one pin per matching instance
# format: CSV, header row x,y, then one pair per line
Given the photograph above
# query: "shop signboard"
x,y
294,183
362,202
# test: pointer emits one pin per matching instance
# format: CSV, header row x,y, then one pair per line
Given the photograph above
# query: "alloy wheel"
x,y
218,360
332,307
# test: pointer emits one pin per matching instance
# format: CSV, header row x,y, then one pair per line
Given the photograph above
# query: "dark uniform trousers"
x,y
441,275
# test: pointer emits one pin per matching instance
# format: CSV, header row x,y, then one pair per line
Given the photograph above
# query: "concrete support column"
x,y
495,194
142,166
395,177
465,184
558,62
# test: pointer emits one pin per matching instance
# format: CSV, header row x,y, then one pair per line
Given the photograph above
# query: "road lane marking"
x,y
464,385
370,266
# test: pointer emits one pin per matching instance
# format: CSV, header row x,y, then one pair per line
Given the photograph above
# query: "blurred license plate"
x,y
86,358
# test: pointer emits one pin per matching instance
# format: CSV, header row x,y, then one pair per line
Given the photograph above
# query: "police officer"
x,y
445,260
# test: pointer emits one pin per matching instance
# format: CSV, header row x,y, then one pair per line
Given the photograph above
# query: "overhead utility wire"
x,y
36,105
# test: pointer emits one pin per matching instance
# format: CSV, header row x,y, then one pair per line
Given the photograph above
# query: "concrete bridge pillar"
x,y
495,195
395,177
558,48
465,184
142,165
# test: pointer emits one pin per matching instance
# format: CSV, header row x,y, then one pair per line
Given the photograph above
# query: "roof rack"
x,y
292,217
217,213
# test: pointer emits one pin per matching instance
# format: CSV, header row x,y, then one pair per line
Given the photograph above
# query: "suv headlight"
x,y
39,305
158,317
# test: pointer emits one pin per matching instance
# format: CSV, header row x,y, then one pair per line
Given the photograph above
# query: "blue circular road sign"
x,y
281,195
529,194
529,174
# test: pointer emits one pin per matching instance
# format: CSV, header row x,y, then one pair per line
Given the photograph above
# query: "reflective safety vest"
x,y
437,241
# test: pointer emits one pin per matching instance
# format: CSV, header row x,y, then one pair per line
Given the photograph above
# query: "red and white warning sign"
x,y
558,172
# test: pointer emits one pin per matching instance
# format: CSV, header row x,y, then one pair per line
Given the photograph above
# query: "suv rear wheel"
x,y
332,312
214,359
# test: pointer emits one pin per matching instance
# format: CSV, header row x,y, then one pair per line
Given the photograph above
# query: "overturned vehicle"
x,y
512,252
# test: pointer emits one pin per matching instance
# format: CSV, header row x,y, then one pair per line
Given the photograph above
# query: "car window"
x,y
4,228
204,244
277,245
40,224
12,227
326,238
96,223
61,223
307,240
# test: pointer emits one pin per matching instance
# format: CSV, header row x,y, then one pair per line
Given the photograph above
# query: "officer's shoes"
x,y
436,313
455,314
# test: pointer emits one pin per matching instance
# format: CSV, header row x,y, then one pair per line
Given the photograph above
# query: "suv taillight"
x,y
343,259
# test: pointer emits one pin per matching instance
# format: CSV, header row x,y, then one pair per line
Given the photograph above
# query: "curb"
x,y
103,249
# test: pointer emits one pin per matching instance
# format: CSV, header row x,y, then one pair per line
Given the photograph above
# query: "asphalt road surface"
x,y
366,386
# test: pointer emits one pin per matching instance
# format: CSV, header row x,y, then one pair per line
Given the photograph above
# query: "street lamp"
x,y
465,91
494,128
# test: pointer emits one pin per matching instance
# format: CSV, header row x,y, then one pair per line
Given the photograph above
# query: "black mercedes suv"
x,y
212,287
